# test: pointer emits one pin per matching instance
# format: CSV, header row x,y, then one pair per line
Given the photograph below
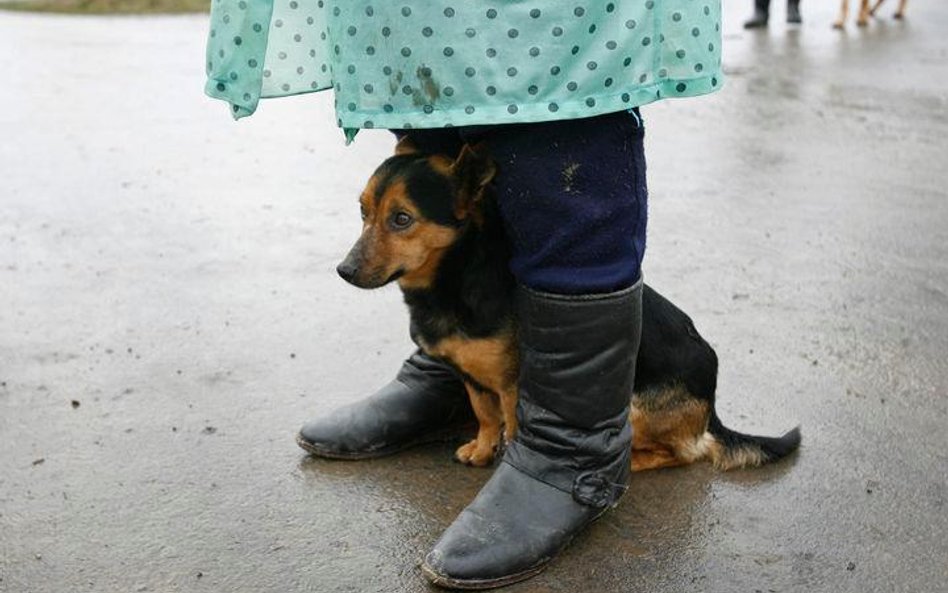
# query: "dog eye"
x,y
401,220
362,212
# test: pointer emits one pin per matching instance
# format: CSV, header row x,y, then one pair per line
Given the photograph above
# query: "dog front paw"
x,y
475,453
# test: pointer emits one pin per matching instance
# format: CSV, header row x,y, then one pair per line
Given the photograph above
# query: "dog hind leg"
x,y
668,429
672,427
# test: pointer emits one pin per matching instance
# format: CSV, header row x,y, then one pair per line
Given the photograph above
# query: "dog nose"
x,y
346,271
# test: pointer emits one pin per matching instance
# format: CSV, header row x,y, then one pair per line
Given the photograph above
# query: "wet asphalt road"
x,y
170,315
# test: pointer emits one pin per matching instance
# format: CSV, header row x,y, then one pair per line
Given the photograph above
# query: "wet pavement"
x,y
170,315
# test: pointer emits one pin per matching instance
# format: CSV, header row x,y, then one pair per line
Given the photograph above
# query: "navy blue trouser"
x,y
572,194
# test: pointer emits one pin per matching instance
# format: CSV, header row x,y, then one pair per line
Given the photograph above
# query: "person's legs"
x,y
793,12
573,197
761,15
425,402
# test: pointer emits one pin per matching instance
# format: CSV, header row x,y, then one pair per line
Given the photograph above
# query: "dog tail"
x,y
732,450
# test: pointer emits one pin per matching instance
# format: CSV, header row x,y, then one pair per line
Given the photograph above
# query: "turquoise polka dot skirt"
x,y
433,63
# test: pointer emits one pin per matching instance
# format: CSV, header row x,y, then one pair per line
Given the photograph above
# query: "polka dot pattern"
x,y
424,64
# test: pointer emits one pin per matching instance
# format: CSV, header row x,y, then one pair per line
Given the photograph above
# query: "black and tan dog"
x,y
431,224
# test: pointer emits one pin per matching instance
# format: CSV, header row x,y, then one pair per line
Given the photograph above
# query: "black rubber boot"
x,y
570,460
793,12
426,402
761,15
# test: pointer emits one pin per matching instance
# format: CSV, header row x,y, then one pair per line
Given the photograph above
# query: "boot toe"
x,y
324,437
476,550
497,541
356,431
426,402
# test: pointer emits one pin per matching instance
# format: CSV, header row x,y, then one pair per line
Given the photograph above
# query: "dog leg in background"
x,y
843,14
863,19
899,13
480,451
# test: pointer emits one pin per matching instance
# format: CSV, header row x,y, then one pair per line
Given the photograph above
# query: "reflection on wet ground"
x,y
171,315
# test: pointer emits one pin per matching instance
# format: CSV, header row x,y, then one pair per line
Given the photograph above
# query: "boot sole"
x,y
439,436
479,584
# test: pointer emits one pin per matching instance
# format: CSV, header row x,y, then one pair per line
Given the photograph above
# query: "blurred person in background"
x,y
762,14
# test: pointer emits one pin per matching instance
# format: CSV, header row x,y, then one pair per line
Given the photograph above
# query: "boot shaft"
x,y
578,352
576,376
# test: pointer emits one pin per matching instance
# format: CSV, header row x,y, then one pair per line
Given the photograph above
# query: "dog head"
x,y
414,207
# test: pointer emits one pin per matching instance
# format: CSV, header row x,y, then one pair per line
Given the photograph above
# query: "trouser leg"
x,y
573,197
760,16
793,12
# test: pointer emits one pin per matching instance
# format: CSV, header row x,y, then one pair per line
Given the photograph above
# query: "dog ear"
x,y
473,166
405,146
473,170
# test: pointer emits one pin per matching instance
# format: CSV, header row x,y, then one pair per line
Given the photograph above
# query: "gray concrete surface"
x,y
171,272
